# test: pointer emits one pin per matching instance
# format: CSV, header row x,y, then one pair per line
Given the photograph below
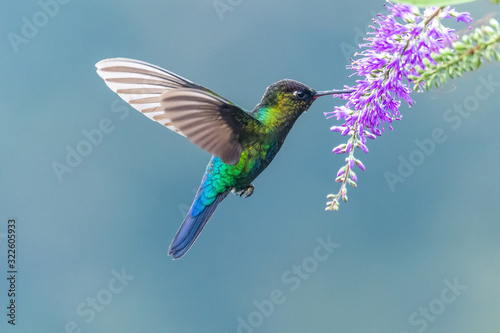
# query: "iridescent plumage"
x,y
242,143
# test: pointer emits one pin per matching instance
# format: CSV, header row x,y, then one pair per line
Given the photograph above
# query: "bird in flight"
x,y
242,143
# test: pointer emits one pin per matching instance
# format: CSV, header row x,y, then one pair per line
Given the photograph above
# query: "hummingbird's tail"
x,y
195,220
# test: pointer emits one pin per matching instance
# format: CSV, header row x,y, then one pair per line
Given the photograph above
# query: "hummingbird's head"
x,y
289,96
285,100
292,95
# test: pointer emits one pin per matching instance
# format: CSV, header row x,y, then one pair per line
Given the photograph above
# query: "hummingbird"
x,y
242,143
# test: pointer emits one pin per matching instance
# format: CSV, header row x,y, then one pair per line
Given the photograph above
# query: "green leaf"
x,y
425,3
494,24
496,55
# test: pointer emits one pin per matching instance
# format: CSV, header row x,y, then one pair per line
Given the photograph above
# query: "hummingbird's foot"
x,y
246,192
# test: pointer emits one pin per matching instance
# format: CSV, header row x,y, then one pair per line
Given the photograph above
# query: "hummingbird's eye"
x,y
301,94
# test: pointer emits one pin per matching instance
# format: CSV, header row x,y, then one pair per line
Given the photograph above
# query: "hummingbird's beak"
x,y
330,92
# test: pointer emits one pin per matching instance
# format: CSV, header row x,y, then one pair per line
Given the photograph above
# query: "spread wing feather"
x,y
208,121
141,84
204,117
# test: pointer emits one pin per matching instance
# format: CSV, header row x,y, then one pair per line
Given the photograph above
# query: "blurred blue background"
x,y
397,250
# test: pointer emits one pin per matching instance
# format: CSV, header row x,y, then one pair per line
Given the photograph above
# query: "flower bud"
x,y
353,176
351,163
370,135
494,24
348,146
337,128
340,149
362,147
359,164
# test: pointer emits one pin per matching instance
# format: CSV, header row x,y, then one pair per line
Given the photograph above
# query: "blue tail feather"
x,y
192,226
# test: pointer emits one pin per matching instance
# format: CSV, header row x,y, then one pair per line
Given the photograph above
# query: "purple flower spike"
x,y
397,45
390,57
400,44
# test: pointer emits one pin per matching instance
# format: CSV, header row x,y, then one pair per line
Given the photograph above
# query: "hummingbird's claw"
x,y
246,192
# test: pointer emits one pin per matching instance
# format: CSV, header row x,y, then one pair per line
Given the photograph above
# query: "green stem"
x,y
479,48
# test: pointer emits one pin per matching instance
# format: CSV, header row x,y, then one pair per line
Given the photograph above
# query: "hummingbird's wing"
x,y
209,121
141,84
